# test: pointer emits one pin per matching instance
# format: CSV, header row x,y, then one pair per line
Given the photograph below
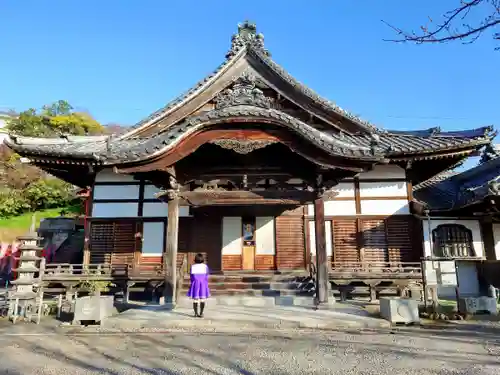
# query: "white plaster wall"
x,y
312,238
150,191
383,189
116,192
115,210
473,225
231,235
385,207
344,190
496,239
381,172
336,208
160,209
107,175
264,235
152,238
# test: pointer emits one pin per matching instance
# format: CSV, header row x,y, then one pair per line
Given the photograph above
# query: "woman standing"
x,y
199,291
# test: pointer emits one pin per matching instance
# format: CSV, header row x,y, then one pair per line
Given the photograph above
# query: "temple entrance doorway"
x,y
248,248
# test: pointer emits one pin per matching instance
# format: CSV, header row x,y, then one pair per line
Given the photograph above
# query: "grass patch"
x,y
16,226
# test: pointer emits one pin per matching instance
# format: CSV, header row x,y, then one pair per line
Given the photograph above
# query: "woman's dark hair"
x,y
199,258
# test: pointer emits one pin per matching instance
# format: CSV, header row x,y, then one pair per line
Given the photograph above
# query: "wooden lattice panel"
x,y
290,242
402,241
374,243
113,242
345,241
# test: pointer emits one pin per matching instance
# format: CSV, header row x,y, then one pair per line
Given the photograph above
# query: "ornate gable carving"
x,y
242,146
243,92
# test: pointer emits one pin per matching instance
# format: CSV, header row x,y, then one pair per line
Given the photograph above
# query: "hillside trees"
x,y
24,187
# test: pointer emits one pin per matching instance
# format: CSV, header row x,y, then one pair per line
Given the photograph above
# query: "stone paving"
x,y
159,317
248,352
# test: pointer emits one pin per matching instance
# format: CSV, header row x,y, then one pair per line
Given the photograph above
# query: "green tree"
x,y
54,120
14,174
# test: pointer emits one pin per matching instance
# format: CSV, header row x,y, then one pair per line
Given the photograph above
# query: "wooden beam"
x,y
242,197
321,256
488,238
357,195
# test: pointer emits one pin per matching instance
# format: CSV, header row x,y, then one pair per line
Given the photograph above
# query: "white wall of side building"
x,y
472,225
468,283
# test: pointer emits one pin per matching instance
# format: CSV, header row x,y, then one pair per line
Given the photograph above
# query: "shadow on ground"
x,y
157,353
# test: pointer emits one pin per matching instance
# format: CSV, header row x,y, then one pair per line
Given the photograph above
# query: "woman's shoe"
x,y
202,307
195,308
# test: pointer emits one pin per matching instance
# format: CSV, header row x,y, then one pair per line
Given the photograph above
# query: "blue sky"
x,y
121,60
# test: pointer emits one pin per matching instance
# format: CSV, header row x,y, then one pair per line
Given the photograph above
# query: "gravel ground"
x,y
274,352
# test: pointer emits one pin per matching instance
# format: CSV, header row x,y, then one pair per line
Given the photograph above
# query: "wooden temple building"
x,y
257,171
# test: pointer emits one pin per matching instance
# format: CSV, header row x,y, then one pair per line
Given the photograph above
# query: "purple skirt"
x,y
199,287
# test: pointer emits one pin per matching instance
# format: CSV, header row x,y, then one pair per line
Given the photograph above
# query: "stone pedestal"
x,y
475,305
93,308
399,310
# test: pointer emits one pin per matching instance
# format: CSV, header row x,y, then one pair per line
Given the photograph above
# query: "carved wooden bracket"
x,y
329,195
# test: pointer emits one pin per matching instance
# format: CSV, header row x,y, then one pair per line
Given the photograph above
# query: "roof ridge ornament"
x,y
243,92
490,152
247,36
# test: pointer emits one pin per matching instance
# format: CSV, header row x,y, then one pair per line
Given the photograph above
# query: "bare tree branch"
x,y
456,24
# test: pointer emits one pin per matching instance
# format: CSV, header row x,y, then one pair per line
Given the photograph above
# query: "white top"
x,y
199,269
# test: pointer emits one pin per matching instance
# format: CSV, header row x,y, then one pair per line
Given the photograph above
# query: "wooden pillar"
x,y
89,203
170,258
488,238
321,256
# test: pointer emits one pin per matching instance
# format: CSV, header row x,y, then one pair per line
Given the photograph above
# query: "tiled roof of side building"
x,y
457,190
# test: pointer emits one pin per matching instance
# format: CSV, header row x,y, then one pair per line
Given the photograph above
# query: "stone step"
x,y
255,286
270,278
255,301
264,293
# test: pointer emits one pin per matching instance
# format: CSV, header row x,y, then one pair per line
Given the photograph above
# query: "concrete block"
x,y
399,310
474,305
96,308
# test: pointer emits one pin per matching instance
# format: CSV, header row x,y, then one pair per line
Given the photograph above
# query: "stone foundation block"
x,y
475,305
399,310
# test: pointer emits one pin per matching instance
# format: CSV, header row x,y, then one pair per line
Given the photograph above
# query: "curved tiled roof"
x,y
139,148
456,190
362,146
